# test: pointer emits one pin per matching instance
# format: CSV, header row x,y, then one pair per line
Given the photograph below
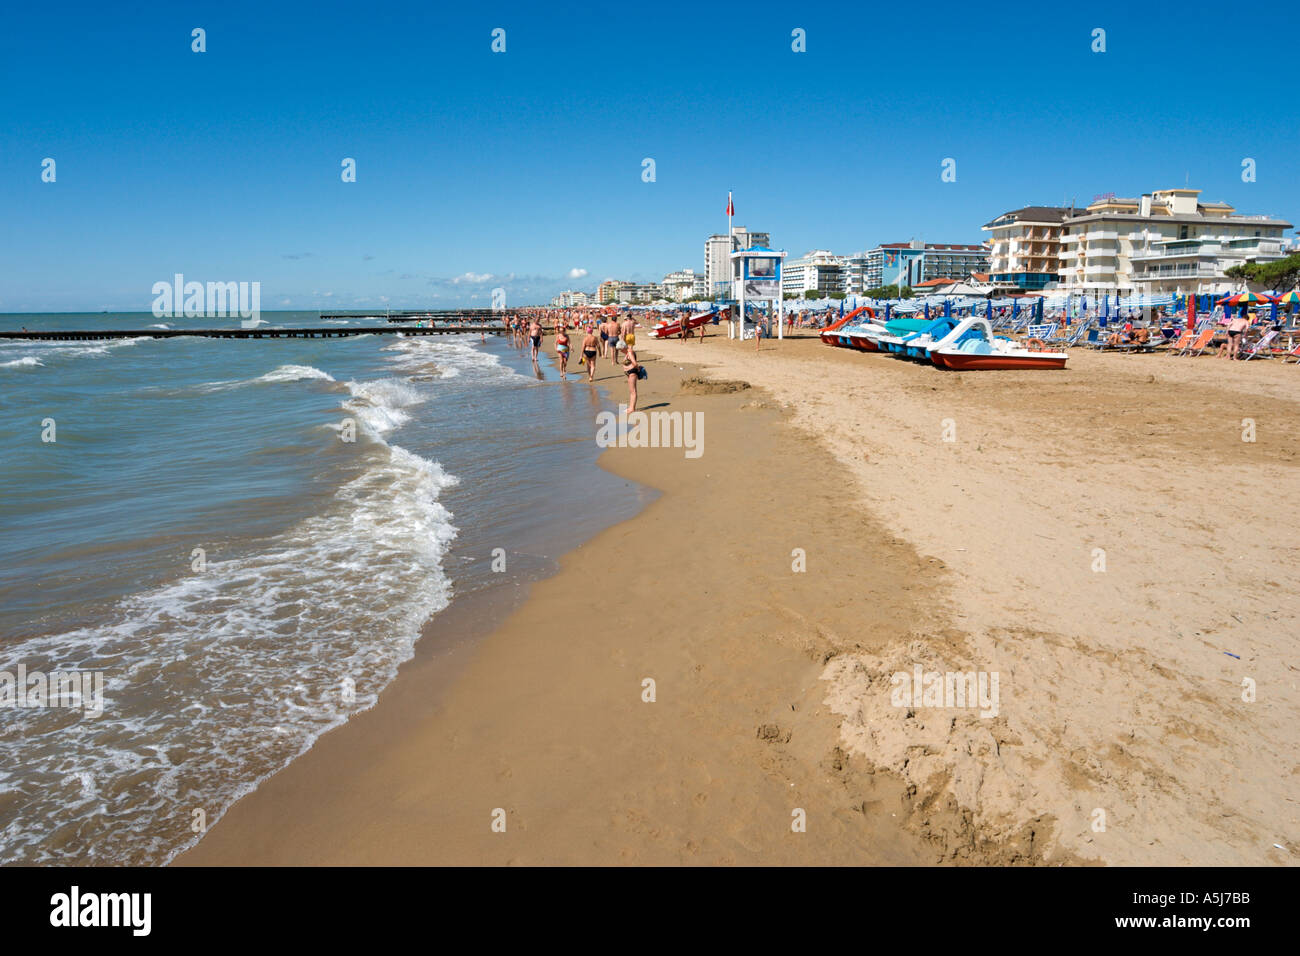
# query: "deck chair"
x,y
1198,344
1182,342
1203,341
1263,344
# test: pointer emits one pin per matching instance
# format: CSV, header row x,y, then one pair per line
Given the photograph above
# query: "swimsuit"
x,y
537,341
590,353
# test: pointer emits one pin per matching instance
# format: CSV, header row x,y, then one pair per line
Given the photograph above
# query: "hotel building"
x,y
571,298
820,269
1025,246
911,263
681,285
1167,241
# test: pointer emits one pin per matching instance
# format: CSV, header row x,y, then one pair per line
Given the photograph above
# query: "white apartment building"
x,y
572,299
1165,241
717,257
681,285
1025,246
820,269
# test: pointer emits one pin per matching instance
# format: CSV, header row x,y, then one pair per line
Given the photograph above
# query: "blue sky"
x,y
477,169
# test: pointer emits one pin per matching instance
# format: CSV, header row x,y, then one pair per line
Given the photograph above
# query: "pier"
x,y
263,332
460,316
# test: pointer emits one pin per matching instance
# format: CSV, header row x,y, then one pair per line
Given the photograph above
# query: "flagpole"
x,y
731,241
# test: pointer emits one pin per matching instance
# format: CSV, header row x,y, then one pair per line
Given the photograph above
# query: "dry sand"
x,y
1116,691
773,686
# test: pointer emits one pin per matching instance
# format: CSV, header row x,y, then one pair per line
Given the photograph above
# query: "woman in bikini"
x,y
632,369
562,350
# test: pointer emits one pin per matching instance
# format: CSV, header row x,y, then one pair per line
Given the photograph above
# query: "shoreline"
x,y
543,717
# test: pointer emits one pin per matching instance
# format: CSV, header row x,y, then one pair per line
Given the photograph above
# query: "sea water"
x,y
185,518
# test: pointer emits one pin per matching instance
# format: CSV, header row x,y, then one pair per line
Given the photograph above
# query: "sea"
x,y
240,541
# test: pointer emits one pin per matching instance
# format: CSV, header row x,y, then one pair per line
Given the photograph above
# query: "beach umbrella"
x,y
888,307
947,309
1245,298
1191,312
1291,298
1015,308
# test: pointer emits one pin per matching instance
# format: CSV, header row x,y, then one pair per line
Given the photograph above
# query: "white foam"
x,y
285,373
221,677
27,361
380,406
293,373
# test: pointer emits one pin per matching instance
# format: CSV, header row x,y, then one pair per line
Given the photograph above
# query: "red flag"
x,y
731,210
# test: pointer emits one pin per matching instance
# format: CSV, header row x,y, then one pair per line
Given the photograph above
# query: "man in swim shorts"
x,y
590,347
535,335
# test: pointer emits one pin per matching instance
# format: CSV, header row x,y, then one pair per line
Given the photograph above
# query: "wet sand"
x,y
545,718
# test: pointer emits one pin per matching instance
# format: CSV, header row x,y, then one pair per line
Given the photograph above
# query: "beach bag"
x,y
641,372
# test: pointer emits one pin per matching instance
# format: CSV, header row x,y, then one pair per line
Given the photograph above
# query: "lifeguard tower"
x,y
756,278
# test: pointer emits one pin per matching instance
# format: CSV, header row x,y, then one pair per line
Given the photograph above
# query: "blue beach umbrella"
x,y
1272,312
1015,308
927,311
947,309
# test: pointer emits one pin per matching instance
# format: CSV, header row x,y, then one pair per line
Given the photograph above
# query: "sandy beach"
x,y
1101,538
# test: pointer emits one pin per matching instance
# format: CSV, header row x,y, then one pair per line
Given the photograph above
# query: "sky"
x,y
525,169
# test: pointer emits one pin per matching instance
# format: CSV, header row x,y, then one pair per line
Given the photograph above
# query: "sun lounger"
x,y
1198,344
1263,344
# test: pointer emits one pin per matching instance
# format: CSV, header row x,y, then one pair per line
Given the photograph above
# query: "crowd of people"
x,y
603,336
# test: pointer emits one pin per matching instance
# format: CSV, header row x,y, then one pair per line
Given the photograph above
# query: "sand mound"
x,y
700,386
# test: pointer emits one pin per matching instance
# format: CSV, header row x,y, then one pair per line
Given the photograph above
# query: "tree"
x,y
1282,275
812,294
837,295
890,292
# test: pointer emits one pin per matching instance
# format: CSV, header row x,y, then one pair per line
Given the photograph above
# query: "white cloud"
x,y
474,277
577,273
284,302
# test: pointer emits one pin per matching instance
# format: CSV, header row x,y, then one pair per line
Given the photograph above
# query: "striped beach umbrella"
x,y
1245,298
1291,298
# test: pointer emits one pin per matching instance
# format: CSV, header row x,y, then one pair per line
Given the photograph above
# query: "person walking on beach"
x,y
590,347
610,329
535,335
629,332
562,350
632,369
758,334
